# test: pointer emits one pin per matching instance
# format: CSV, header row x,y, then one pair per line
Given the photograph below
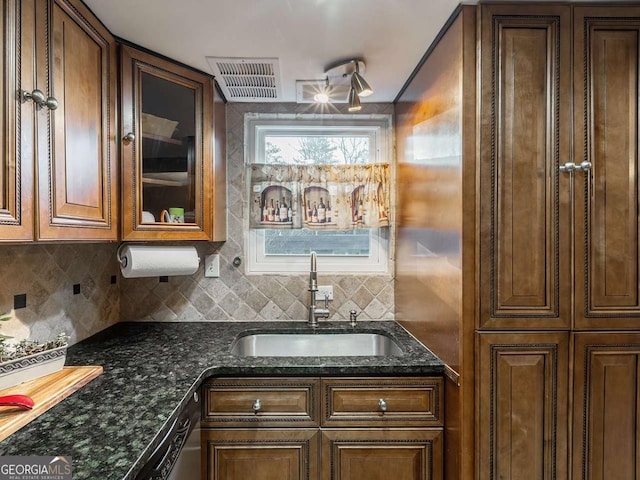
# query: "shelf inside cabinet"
x,y
166,179
160,138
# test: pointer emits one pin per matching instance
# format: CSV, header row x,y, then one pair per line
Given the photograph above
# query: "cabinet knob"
x,y
382,404
257,405
128,138
38,97
568,167
584,166
51,103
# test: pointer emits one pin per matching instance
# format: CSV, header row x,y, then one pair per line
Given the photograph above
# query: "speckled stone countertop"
x,y
111,426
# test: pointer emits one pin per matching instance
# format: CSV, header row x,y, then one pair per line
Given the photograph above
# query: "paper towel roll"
x,y
158,261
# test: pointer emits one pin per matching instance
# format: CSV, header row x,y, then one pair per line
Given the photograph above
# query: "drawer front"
x,y
264,401
382,401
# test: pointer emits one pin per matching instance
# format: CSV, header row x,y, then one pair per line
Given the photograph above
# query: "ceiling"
x,y
305,35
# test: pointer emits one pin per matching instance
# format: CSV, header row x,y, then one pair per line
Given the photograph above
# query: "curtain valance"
x,y
320,196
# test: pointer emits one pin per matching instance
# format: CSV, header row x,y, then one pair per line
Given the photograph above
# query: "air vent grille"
x,y
247,79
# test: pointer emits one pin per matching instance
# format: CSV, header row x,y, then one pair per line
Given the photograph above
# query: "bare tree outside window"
x,y
272,153
316,150
355,150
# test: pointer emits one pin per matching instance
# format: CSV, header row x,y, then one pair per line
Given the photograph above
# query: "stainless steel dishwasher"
x,y
178,455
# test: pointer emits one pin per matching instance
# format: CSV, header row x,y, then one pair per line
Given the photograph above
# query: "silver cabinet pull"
x,y
257,405
584,166
572,167
38,97
568,167
128,138
382,404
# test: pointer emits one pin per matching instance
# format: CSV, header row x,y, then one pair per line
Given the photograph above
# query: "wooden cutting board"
x,y
46,392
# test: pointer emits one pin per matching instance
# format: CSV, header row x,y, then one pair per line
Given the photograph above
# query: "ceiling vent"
x,y
247,79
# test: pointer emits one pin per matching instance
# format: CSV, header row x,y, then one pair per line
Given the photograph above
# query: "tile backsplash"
x,y
47,274
236,296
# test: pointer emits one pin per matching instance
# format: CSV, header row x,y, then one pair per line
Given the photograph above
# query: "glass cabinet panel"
x,y
167,149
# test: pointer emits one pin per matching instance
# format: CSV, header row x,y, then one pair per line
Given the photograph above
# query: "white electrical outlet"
x,y
212,266
324,290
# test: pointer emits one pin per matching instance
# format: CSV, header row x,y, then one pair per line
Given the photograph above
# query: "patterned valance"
x,y
319,196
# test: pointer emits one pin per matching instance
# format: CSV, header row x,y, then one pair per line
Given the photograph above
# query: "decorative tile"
x,y
45,273
362,297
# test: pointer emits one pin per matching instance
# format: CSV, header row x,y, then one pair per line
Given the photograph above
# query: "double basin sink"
x,y
305,344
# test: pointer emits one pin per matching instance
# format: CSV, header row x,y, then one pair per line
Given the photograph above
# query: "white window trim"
x,y
257,126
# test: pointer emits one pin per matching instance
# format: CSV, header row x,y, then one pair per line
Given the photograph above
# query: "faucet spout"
x,y
314,311
313,274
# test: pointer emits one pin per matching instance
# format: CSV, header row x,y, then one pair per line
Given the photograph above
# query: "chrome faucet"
x,y
314,311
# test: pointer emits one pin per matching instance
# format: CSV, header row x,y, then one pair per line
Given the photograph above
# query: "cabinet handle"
x,y
382,404
584,166
37,97
257,405
568,167
51,103
128,138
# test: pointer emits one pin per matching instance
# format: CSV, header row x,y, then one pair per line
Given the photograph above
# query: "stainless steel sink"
x,y
315,345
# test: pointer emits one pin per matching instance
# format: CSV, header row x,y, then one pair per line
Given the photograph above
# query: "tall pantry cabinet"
x,y
559,298
58,178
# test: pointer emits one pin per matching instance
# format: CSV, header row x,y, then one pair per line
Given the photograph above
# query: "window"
x,y
314,139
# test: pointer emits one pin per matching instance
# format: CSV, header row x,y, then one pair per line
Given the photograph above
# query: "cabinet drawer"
x,y
264,401
377,401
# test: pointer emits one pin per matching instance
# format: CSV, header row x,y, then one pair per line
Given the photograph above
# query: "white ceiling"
x,y
305,35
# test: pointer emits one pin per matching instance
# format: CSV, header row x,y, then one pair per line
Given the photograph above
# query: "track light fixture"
x,y
362,88
343,82
354,101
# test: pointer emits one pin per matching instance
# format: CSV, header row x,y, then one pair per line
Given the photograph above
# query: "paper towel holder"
x,y
123,260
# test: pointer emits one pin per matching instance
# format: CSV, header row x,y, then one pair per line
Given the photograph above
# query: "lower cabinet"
x,y
523,381
323,428
606,416
261,454
524,398
376,454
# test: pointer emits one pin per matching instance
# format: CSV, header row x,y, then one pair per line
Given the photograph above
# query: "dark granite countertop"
x,y
111,426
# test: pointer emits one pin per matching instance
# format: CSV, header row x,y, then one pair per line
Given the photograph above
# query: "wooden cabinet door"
x,y
261,454
165,168
606,416
17,24
381,454
607,220
76,156
522,406
525,264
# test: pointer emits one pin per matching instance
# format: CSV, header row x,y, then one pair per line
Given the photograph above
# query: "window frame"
x,y
378,130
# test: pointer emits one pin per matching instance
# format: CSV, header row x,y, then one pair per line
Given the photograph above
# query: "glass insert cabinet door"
x,y
166,149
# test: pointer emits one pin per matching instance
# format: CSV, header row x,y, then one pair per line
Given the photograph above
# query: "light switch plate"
x,y
212,266
324,290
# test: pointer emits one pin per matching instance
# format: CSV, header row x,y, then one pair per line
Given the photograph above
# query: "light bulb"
x,y
321,97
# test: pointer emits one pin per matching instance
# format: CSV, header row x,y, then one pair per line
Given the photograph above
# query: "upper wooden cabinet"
x,y
59,112
524,245
607,122
76,156
16,126
167,150
534,189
